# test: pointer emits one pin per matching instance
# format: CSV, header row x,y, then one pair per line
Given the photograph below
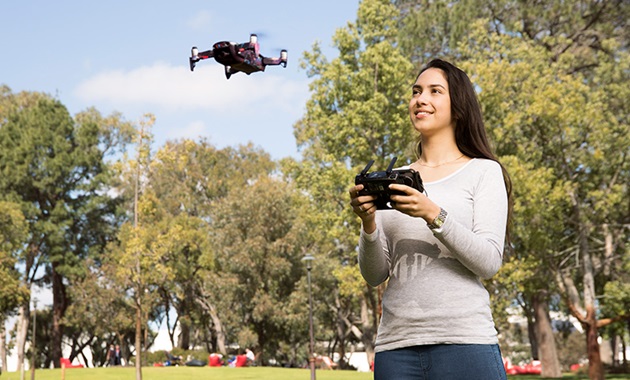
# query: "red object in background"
x,y
66,363
533,368
577,367
241,361
214,360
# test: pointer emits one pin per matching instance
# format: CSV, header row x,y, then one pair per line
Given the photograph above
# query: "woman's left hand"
x,y
414,203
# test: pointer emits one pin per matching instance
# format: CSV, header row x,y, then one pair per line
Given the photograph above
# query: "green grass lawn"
x,y
189,373
222,373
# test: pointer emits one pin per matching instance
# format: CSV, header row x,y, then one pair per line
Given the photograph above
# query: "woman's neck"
x,y
435,153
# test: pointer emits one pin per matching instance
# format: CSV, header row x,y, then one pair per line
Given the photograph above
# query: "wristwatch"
x,y
439,220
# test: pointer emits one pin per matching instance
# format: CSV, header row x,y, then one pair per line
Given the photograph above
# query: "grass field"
x,y
222,373
189,373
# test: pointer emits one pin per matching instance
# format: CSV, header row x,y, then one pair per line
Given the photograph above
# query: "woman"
x,y
435,248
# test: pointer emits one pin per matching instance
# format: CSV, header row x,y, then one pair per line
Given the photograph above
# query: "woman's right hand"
x,y
364,207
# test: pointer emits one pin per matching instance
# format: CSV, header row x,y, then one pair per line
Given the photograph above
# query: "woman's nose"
x,y
420,99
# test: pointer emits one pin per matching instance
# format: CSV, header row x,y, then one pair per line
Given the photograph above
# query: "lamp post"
x,y
308,258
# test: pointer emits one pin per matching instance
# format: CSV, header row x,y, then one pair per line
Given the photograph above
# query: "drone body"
x,y
236,57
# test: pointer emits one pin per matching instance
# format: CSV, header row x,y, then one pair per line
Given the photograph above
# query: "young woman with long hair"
x,y
434,248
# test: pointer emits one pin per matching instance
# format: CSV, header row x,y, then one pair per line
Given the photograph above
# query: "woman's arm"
x,y
373,261
481,249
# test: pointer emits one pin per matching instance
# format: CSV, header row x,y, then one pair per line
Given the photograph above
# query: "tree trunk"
x,y
341,331
595,365
183,339
22,332
138,340
614,344
588,315
216,322
531,331
368,329
3,346
624,361
58,311
547,353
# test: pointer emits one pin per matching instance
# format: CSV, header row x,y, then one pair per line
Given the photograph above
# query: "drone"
x,y
243,57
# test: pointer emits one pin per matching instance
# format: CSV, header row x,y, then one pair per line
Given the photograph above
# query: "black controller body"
x,y
377,183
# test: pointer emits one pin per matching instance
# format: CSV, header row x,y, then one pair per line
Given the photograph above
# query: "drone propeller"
x,y
194,57
260,34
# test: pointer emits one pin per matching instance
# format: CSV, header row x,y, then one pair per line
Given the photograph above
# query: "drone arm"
x,y
271,61
196,56
282,60
205,54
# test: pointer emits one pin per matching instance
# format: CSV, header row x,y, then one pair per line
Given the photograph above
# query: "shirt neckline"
x,y
452,174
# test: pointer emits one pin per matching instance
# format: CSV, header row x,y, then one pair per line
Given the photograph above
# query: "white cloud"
x,y
200,20
176,88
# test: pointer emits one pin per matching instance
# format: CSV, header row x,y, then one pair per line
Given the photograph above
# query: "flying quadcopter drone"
x,y
238,57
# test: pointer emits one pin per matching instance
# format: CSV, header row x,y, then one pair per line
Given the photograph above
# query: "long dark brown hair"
x,y
470,131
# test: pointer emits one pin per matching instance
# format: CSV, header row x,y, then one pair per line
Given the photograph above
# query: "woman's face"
x,y
430,105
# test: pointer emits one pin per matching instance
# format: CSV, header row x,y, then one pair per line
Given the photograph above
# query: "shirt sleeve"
x,y
481,249
373,258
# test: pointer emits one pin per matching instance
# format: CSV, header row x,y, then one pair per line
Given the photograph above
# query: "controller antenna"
x,y
391,165
367,167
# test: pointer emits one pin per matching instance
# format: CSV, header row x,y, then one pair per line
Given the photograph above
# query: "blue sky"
x,y
132,57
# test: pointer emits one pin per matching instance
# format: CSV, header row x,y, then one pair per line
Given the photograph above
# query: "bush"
x,y
150,358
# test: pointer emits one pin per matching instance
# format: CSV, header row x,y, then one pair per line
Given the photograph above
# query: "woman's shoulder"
x,y
479,170
486,164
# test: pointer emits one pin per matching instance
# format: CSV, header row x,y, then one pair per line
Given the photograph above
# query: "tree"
x,y
539,203
188,178
136,259
99,315
573,55
586,151
434,28
54,167
259,246
13,235
357,112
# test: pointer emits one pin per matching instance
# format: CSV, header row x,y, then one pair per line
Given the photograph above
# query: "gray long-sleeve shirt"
x,y
434,294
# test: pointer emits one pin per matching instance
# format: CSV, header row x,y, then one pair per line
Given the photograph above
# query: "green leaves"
x,y
359,101
13,236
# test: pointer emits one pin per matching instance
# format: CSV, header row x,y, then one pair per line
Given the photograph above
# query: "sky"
x,y
132,57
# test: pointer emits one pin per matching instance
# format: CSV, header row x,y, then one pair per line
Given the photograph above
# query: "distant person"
x,y
117,356
250,356
110,358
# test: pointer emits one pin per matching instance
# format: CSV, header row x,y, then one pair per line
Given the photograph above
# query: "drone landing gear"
x,y
228,72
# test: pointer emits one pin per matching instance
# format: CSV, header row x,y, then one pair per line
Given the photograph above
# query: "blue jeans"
x,y
441,362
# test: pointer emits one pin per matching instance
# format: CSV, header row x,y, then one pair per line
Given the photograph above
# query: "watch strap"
x,y
439,220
